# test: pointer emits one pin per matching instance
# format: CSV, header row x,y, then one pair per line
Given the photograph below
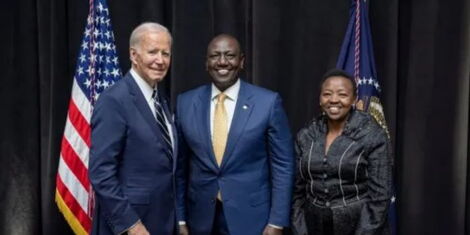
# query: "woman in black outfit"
x,y
344,167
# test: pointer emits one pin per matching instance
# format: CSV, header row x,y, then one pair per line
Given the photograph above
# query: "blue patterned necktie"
x,y
161,123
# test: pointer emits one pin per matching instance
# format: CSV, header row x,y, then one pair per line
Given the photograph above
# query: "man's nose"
x,y
159,58
222,60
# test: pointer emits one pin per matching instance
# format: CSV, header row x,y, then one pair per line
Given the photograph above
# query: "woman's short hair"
x,y
339,73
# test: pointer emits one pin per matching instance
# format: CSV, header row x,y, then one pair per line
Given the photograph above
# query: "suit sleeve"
x,y
374,212
108,139
181,169
281,153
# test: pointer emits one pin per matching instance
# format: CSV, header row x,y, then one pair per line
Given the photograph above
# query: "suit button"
x,y
325,160
212,201
325,176
326,190
327,204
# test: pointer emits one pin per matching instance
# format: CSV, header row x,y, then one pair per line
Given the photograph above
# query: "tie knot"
x,y
221,97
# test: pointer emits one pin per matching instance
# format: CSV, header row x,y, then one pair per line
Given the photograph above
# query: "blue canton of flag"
x,y
98,66
357,58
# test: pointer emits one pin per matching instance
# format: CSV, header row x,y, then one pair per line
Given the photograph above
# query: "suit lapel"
x,y
142,105
243,110
202,113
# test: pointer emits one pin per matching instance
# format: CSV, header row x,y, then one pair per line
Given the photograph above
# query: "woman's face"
x,y
337,97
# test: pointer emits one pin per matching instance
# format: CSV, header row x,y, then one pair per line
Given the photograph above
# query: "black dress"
x,y
348,190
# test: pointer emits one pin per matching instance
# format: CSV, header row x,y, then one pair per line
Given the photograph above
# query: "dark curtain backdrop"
x,y
422,50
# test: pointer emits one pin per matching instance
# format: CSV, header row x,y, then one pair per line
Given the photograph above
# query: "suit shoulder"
x,y
261,90
189,95
118,91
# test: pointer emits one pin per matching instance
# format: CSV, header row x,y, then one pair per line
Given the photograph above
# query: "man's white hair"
x,y
145,27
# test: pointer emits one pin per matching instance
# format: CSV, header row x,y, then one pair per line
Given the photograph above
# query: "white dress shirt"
x,y
147,90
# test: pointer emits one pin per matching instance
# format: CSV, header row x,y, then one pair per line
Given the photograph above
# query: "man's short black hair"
x,y
339,73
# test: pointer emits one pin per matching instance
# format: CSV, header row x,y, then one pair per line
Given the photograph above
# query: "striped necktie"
x,y
162,124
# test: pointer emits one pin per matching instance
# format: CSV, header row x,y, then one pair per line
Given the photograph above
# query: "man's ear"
x,y
132,55
242,61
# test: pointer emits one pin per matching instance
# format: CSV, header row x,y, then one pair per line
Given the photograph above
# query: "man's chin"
x,y
223,83
158,78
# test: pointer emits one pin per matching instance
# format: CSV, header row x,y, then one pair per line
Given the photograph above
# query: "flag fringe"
x,y
69,216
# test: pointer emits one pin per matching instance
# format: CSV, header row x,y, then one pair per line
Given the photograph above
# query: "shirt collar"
x,y
231,92
146,89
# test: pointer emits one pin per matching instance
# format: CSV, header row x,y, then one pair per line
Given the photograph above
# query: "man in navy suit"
x,y
236,140
133,158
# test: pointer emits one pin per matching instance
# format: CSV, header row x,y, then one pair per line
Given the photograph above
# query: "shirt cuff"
x,y
275,226
181,222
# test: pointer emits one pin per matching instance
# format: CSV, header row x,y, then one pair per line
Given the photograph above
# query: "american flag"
x,y
357,58
97,69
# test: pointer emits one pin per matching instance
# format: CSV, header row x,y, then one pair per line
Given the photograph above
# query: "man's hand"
x,y
183,230
268,230
138,229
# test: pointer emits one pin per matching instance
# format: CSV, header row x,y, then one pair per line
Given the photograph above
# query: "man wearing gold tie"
x,y
238,148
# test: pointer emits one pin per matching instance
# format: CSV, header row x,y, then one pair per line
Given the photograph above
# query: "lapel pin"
x,y
245,107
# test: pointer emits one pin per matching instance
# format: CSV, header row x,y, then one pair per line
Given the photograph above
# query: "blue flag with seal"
x,y
357,58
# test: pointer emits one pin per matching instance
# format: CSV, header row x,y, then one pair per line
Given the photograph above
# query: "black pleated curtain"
x,y
422,51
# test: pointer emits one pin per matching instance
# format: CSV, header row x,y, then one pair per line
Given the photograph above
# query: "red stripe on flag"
x,y
72,203
75,164
79,122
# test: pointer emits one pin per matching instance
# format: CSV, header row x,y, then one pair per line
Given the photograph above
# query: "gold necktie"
x,y
219,135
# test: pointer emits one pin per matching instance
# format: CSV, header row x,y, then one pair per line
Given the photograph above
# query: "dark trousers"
x,y
319,220
219,226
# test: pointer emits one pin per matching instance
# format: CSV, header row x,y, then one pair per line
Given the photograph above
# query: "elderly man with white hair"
x,y
133,156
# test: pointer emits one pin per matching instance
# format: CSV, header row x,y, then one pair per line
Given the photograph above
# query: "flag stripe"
x,y
76,142
73,205
77,167
81,101
78,191
79,122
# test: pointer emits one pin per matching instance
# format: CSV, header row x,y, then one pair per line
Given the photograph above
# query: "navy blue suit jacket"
x,y
130,169
257,171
